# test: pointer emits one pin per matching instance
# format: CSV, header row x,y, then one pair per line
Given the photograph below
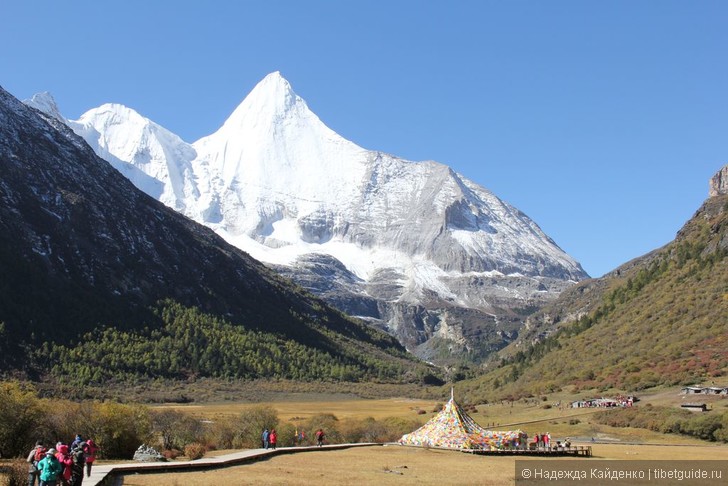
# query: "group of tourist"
x,y
270,438
542,441
62,465
618,401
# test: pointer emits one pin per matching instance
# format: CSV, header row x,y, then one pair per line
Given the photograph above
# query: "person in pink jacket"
x,y
67,462
90,450
273,438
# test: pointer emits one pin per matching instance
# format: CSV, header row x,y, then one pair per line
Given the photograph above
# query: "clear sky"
x,y
601,120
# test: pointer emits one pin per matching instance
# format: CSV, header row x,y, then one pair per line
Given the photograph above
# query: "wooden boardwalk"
x,y
113,474
573,451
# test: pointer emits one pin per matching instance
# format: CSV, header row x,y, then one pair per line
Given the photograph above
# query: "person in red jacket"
x,y
90,452
273,438
67,462
320,437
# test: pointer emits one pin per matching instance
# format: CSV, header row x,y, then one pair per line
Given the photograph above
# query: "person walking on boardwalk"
x,y
76,442
273,438
265,437
34,457
90,452
64,457
78,456
50,469
320,436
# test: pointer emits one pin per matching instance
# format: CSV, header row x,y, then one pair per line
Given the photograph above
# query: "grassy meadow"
x,y
291,406
537,415
394,464
404,466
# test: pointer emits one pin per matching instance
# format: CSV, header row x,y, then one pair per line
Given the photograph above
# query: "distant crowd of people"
x,y
269,438
544,442
618,401
62,465
541,441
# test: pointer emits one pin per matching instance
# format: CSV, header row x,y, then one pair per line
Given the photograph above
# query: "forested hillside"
x,y
103,284
660,321
190,344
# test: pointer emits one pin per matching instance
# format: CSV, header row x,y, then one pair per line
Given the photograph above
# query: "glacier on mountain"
x,y
279,184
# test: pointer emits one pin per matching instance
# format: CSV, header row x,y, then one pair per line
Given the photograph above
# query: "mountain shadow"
x,y
82,249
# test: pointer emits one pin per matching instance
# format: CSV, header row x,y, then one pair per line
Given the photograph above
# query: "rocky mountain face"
x,y
81,247
412,247
719,183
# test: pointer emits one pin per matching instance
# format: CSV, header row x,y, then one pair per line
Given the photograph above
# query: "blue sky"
x,y
602,121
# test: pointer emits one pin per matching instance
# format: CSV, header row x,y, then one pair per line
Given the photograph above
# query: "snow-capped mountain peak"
x,y
273,109
156,160
274,93
273,152
275,181
46,103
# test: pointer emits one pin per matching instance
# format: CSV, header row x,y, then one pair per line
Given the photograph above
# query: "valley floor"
x,y
416,466
411,466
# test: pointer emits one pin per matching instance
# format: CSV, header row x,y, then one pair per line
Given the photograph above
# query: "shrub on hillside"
x,y
286,435
704,426
375,431
19,412
363,430
16,473
721,434
711,426
250,425
194,451
24,418
171,454
396,427
119,429
176,428
330,425
224,433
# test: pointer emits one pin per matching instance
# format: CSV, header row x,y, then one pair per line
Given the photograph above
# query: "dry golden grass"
x,y
304,408
361,465
403,466
410,466
661,452
530,416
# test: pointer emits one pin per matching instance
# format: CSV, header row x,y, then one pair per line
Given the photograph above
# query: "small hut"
x,y
695,407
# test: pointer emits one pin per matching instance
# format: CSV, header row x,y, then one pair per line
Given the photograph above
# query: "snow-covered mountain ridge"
x,y
279,184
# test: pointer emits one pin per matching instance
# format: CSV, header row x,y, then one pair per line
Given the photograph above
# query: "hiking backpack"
x,y
39,454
